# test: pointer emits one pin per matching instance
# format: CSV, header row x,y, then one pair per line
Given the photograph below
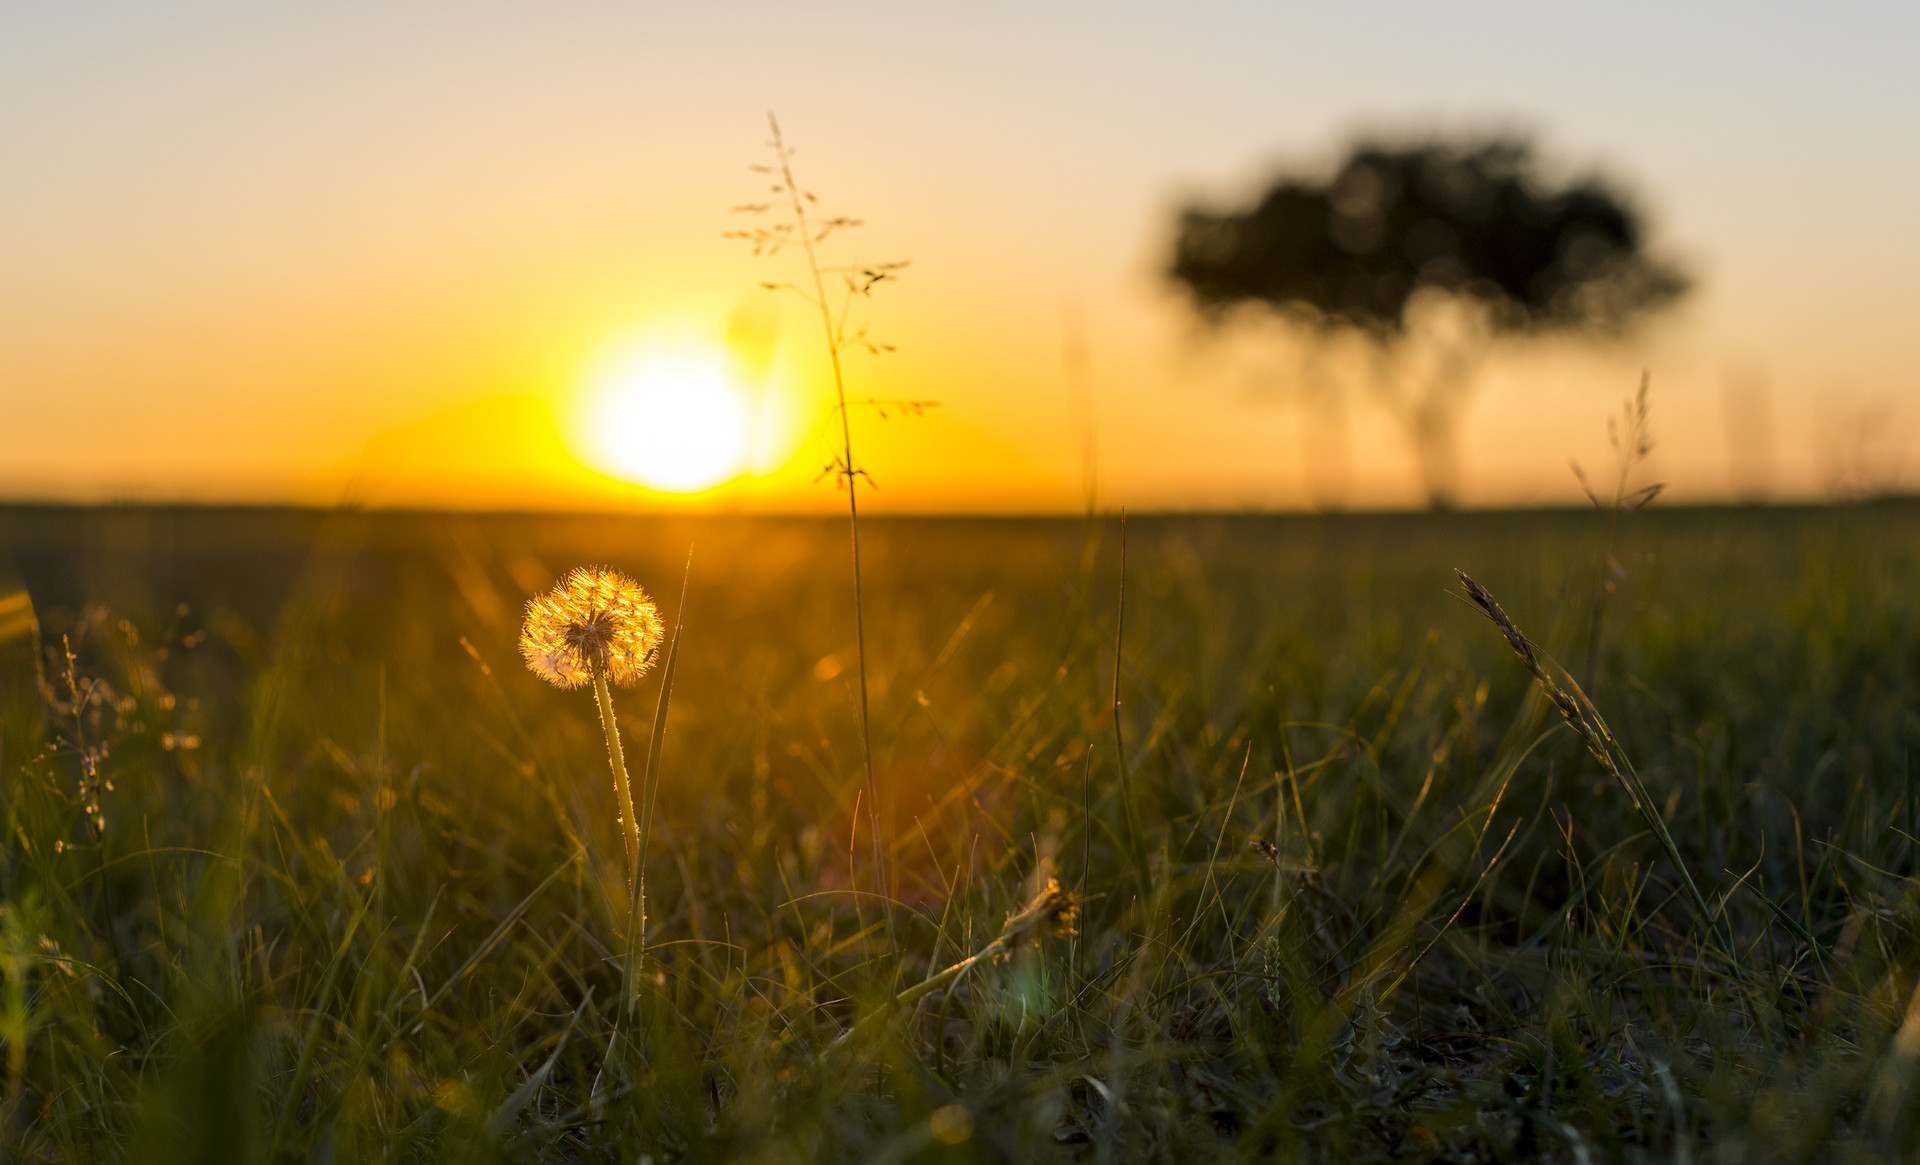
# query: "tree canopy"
x,y
1476,218
1402,236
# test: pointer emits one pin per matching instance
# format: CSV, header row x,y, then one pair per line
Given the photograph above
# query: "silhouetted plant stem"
x,y
847,473
1632,441
1601,590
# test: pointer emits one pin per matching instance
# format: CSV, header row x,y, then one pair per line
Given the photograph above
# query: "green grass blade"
x,y
284,1122
510,1109
480,952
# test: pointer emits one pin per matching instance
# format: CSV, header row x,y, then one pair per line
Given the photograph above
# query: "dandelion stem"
x,y
616,759
600,627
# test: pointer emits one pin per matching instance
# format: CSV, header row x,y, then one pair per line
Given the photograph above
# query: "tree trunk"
x,y
1433,422
1436,444
1326,451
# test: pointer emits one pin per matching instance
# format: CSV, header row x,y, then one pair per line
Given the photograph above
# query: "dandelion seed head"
x,y
596,620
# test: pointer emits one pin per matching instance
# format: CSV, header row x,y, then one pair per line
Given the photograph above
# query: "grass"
x,y
355,888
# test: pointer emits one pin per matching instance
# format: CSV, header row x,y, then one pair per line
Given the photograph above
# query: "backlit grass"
x,y
355,889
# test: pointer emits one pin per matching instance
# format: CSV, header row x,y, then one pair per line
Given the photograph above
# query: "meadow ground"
x,y
303,863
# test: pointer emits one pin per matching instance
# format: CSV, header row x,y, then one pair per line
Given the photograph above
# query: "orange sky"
x,y
356,253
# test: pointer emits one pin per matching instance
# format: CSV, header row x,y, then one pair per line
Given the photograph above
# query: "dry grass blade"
x,y
499,931
1452,918
1051,910
510,1109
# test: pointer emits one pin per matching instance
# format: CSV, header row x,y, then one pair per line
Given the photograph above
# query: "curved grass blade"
x,y
511,1108
480,952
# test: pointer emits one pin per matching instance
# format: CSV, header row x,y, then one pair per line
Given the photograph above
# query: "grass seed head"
x,y
1484,599
596,621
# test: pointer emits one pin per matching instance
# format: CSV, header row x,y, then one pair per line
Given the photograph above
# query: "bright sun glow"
x,y
674,421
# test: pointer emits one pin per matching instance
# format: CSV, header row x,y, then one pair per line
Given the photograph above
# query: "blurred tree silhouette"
x,y
1431,251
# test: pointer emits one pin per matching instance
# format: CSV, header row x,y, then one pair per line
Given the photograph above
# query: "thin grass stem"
x,y
1135,836
849,473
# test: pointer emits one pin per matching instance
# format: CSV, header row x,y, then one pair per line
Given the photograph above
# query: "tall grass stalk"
x,y
849,472
1136,838
1631,437
1586,722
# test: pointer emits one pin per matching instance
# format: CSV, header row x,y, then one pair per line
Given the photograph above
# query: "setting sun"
x,y
673,421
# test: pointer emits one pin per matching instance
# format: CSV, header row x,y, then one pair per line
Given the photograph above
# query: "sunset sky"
x,y
412,253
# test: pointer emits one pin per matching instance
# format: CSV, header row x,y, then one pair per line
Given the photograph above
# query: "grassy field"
x,y
301,862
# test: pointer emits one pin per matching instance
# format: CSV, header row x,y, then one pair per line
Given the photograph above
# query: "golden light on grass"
x,y
671,419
